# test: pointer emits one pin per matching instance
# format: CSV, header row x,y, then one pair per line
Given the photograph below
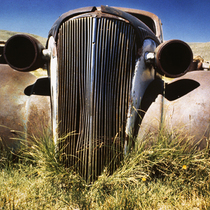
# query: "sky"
x,y
187,20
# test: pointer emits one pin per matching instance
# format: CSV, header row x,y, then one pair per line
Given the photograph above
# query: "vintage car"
x,y
107,84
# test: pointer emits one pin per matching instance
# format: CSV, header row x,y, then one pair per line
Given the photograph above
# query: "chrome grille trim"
x,y
96,59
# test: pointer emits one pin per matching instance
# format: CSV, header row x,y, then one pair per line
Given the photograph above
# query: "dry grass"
x,y
165,175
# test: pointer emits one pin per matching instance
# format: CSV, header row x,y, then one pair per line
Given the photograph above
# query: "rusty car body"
x,y
105,67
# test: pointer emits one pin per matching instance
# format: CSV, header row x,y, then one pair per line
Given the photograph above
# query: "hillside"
x,y
202,49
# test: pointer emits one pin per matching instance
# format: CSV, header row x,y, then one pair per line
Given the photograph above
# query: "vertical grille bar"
x,y
96,63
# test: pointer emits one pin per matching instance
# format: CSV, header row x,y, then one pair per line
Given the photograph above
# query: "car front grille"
x,y
96,60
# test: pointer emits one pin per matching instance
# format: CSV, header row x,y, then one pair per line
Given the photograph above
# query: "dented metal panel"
x,y
20,113
183,111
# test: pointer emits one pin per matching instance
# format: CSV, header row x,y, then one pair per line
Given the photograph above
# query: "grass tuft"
x,y
159,173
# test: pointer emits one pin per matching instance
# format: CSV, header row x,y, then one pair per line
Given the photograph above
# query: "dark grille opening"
x,y
96,58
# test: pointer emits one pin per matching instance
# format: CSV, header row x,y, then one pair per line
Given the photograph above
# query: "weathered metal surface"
x,y
19,111
2,60
98,78
148,18
53,71
142,30
13,103
39,116
143,76
183,111
23,53
173,58
55,28
95,71
100,75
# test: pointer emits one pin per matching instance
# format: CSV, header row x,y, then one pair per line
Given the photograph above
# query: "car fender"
x,y
183,108
22,113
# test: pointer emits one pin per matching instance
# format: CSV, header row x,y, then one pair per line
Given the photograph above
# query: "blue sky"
x,y
188,20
